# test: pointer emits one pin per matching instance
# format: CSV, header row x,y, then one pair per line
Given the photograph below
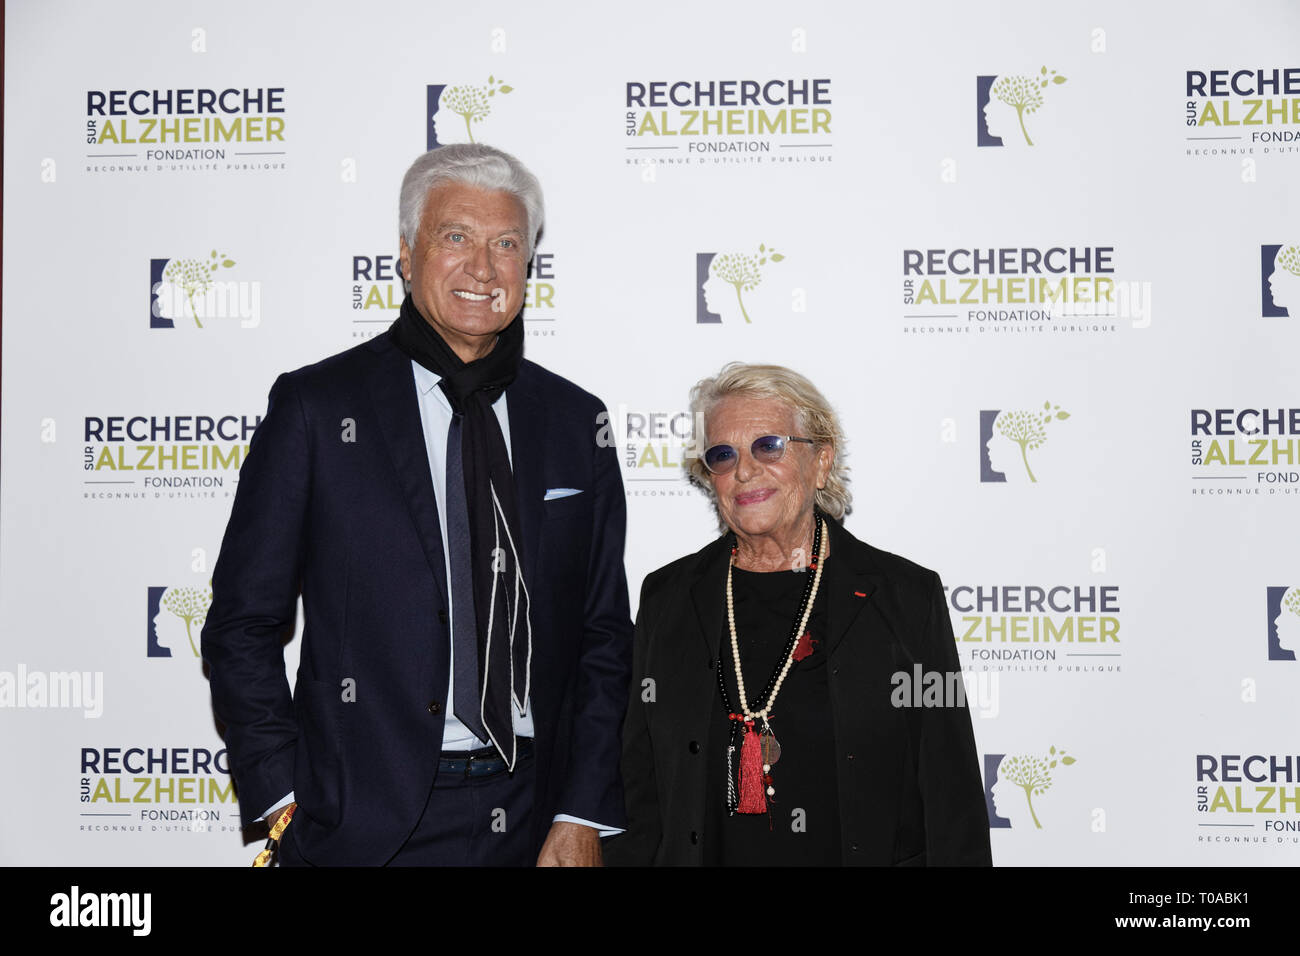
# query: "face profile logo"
x,y
1011,781
715,271
1007,437
1283,623
175,619
1279,274
1003,101
471,103
183,292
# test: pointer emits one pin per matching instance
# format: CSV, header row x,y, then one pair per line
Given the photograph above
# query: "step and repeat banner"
x,y
1043,259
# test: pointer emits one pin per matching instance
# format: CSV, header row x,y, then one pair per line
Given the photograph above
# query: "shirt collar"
x,y
426,381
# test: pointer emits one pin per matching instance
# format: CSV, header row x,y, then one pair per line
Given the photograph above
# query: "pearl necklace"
x,y
810,596
765,751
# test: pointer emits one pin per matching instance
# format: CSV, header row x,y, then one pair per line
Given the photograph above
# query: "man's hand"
x,y
274,815
571,844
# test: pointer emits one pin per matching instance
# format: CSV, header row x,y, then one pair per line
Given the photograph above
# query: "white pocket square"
x,y
554,493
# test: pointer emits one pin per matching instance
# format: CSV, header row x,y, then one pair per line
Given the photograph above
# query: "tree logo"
x,y
1279,280
185,292
175,618
1012,781
1283,623
1003,101
715,271
472,104
1007,437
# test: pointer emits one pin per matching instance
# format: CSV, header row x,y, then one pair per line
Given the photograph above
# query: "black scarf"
x,y
499,590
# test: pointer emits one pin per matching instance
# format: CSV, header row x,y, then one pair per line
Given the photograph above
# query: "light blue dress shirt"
x,y
435,419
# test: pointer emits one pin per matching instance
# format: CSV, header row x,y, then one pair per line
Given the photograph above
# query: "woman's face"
x,y
757,499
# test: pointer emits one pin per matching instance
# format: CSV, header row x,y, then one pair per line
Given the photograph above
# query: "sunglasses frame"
x,y
785,440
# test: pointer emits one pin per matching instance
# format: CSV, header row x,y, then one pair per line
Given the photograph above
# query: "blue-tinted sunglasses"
x,y
721,459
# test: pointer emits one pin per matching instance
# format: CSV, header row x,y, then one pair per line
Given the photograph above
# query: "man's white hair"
x,y
473,164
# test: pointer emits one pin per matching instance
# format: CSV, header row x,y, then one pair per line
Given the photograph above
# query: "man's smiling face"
x,y
469,265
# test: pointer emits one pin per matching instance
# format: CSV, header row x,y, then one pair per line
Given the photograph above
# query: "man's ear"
x,y
404,257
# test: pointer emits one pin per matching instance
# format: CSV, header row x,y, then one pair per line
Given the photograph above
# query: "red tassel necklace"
x,y
759,750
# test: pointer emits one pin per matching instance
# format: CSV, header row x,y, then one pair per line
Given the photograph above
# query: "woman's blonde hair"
x,y
814,418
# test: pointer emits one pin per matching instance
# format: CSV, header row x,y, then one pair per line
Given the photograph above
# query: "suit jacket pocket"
x,y
317,764
570,506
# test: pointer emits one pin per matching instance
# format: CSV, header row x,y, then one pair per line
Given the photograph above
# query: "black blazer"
x,y
907,779
355,525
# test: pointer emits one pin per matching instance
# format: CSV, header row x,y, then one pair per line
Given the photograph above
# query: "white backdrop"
x,y
879,114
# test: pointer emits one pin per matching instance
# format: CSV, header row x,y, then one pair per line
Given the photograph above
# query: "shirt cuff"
x,y
288,799
604,830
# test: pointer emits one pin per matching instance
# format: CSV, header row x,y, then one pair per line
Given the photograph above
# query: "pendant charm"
x,y
771,750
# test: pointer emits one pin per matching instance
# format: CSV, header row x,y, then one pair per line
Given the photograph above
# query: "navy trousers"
x,y
467,821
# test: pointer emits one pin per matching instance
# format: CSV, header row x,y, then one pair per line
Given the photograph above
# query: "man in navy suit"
x,y
456,530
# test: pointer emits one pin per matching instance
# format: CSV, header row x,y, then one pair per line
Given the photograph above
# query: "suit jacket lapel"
x,y
397,409
526,410
707,593
849,585
848,582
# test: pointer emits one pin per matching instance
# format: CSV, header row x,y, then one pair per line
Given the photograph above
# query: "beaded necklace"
x,y
759,749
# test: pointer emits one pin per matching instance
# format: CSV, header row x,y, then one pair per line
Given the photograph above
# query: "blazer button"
x,y
442,615
853,847
848,756
695,838
435,707
693,746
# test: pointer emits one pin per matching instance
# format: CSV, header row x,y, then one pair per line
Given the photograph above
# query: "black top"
x,y
802,826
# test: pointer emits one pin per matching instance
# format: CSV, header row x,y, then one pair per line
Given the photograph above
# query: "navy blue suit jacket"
x,y
353,524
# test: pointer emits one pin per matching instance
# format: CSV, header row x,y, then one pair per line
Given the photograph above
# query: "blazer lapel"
x,y
849,585
847,581
397,409
526,410
707,594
